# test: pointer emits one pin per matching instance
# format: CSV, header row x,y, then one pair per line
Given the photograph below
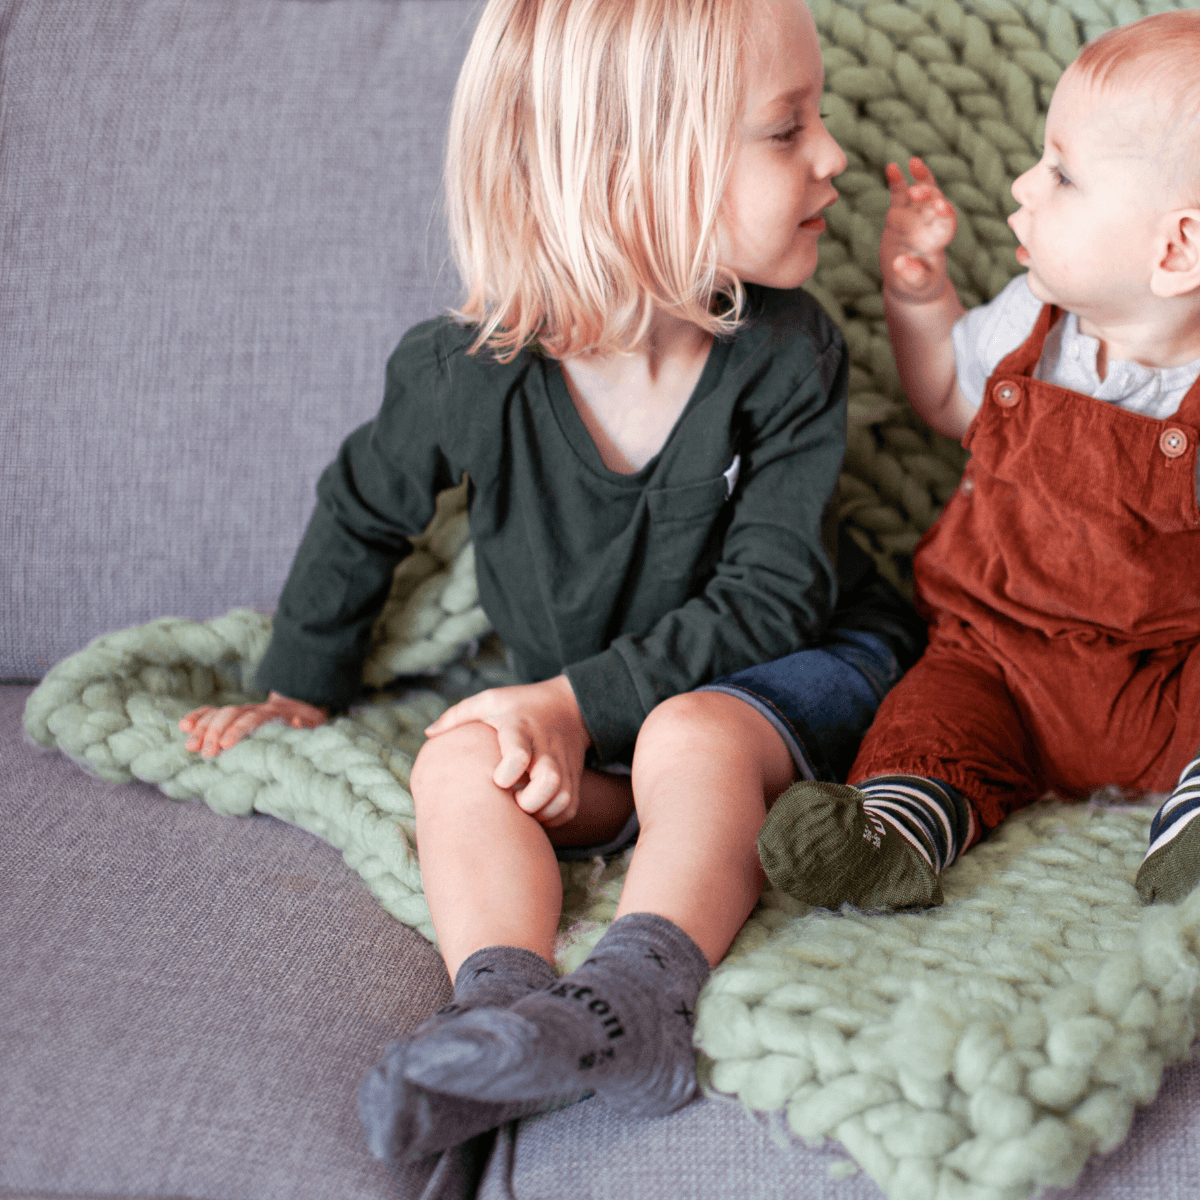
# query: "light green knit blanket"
x,y
977,1051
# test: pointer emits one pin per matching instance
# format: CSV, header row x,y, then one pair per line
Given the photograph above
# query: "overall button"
x,y
1173,442
1007,393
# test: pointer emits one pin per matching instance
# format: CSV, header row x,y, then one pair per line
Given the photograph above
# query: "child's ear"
x,y
1177,254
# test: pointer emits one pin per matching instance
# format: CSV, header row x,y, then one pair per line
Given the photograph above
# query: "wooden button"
x,y
1173,442
1007,393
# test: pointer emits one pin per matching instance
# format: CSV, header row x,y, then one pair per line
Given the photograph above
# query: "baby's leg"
x,y
621,1023
1171,868
948,755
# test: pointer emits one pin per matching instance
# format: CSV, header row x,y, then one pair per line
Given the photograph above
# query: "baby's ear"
x,y
1177,254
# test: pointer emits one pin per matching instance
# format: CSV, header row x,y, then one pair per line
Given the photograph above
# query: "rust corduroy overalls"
x,y
1062,590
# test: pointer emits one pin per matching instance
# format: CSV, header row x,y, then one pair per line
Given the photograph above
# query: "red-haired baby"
x,y
1062,583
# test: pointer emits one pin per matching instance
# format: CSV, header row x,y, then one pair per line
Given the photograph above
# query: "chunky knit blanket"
x,y
980,1050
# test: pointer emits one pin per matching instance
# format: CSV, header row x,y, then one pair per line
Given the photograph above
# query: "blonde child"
x,y
1062,583
652,419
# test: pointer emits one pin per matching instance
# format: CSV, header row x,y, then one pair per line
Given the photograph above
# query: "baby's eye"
x,y
1059,178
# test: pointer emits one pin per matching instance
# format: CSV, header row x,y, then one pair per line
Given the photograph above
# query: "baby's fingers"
x,y
897,184
912,271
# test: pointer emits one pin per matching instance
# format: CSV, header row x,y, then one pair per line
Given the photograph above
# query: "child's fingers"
x,y
543,788
558,812
215,729
248,722
515,755
188,723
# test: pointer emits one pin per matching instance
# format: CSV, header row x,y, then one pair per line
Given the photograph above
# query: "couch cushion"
x,y
219,219
187,1001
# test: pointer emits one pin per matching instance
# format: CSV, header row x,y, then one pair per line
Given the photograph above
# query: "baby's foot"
x,y
1171,868
822,846
403,1121
620,1025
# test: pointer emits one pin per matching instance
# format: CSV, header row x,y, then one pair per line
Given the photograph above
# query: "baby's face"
x,y
1090,207
780,177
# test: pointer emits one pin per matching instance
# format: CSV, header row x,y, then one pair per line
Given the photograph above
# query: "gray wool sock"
x,y
620,1025
403,1121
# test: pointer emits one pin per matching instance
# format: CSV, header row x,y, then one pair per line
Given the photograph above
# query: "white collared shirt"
x,y
988,333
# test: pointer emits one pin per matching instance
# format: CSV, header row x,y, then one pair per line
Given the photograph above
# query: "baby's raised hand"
x,y
920,224
215,729
542,740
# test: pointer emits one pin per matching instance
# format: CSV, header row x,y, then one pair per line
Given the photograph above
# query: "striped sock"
x,y
930,815
1171,868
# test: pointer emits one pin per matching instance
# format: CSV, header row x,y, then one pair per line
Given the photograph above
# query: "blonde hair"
x,y
1159,54
589,145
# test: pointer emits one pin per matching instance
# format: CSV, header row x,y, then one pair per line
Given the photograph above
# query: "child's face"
x,y
780,178
1090,208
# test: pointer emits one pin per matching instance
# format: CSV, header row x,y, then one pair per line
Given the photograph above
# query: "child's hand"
x,y
920,224
216,729
542,739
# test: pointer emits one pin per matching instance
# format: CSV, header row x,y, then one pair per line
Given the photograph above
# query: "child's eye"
x,y
788,135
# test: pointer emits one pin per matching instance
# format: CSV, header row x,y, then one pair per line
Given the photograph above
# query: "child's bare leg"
x,y
489,870
706,768
494,892
621,1024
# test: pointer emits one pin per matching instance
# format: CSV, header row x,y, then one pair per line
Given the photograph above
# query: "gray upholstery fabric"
x,y
218,219
714,1149
187,1001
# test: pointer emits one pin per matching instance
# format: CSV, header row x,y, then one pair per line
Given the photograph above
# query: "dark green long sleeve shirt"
x,y
717,554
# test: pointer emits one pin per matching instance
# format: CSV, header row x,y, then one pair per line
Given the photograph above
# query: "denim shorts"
x,y
821,701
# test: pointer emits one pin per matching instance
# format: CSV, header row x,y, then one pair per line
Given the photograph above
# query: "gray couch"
x,y
216,219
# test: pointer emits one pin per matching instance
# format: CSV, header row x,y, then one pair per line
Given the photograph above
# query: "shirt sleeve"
x,y
379,491
984,335
775,585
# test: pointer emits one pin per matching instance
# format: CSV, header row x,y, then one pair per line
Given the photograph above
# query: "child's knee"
x,y
704,724
444,760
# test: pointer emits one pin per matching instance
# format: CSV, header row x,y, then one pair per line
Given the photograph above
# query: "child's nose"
x,y
832,158
1021,187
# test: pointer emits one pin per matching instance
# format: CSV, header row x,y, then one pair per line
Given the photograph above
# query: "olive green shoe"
x,y
1172,871
820,846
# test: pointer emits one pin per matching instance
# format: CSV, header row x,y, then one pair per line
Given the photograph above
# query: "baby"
x,y
1062,583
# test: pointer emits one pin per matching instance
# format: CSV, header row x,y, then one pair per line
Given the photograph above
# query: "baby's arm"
x,y
542,739
216,729
919,300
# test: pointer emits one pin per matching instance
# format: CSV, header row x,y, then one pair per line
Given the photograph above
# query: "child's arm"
x,y
919,300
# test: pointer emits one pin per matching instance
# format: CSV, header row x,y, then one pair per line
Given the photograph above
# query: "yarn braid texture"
x,y
984,1049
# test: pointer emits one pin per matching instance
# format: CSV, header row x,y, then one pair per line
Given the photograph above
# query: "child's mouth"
x,y
814,224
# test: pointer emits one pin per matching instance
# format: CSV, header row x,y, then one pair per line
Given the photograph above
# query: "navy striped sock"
x,y
930,815
1171,867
